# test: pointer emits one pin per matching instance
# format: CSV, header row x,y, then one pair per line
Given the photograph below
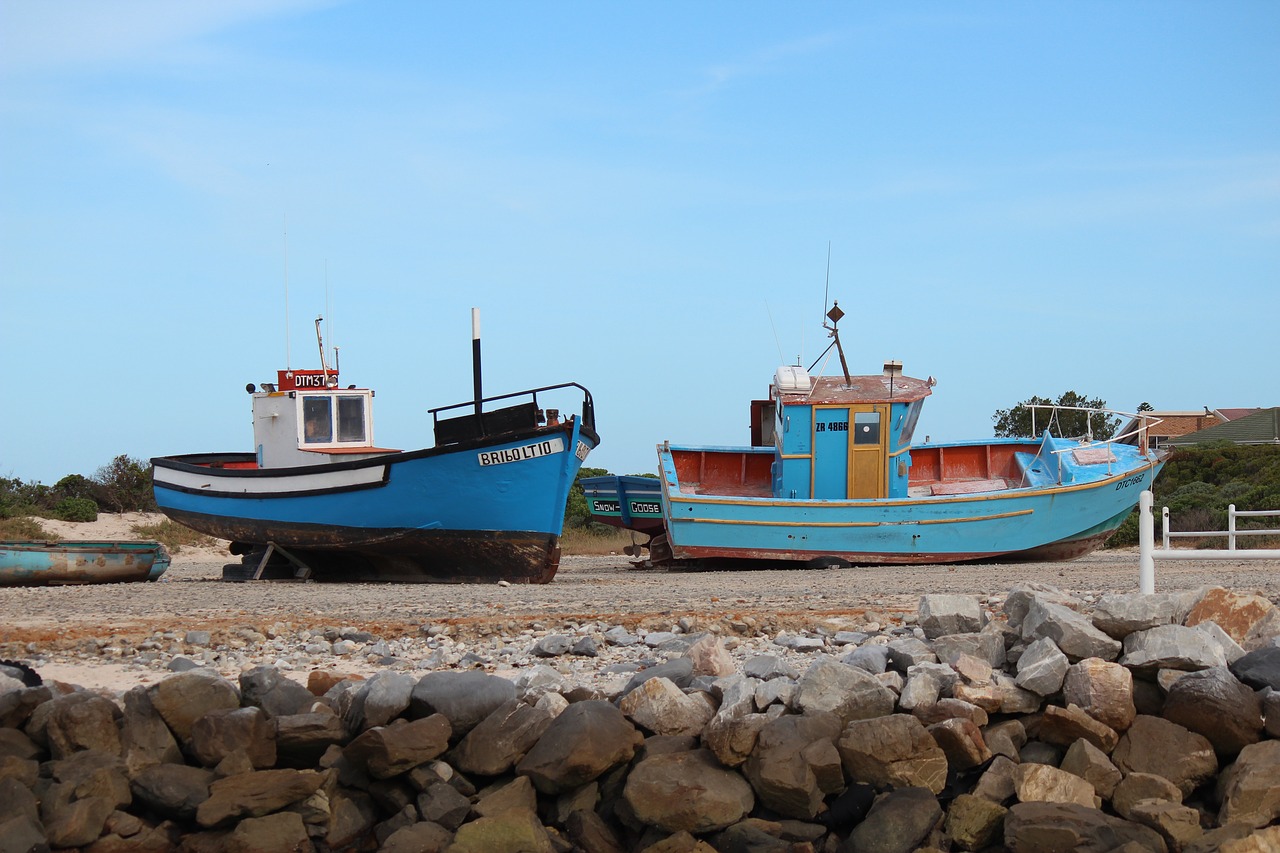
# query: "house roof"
x,y
1233,414
1261,427
1171,423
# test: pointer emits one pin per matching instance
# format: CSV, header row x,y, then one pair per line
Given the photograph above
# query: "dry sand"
x,y
192,596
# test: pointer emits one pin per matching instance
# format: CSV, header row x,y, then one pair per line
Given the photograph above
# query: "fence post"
x,y
1146,544
1231,527
1164,526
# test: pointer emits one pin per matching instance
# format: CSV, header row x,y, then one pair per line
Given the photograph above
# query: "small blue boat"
x,y
319,499
630,502
38,563
833,476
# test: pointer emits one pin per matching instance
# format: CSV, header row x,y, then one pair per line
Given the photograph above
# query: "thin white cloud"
x,y
49,34
763,61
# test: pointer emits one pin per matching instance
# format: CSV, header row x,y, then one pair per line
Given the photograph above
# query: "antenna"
x,y
288,364
775,331
826,290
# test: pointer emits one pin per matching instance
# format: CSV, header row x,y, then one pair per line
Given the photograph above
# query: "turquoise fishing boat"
x,y
40,563
834,476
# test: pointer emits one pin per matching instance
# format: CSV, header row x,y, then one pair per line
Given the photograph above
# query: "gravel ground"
x,y
192,596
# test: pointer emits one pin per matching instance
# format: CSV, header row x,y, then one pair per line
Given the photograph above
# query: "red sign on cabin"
x,y
303,380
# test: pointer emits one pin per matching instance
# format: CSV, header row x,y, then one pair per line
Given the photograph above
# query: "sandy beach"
x,y
68,628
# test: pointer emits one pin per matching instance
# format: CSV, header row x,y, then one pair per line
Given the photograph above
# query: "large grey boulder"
x,y
464,698
1120,614
658,706
501,739
1259,668
1250,788
1042,667
266,687
898,822
1171,647
173,791
1213,703
581,744
1017,604
387,751
183,698
1072,632
940,614
82,720
1155,745
687,791
892,751
848,692
1041,827
144,738
255,794
220,733
795,764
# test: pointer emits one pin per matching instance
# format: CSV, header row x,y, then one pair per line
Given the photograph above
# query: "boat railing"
x,y
487,423
1144,423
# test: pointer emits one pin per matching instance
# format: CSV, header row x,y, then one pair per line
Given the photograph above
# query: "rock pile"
x,y
1044,723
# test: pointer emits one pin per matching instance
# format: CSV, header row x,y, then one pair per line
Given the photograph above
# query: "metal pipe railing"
x,y
1147,552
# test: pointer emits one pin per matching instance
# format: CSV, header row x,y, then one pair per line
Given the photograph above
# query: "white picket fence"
x,y
1148,553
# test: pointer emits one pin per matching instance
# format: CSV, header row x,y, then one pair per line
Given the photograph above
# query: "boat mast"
x,y
475,356
834,316
324,365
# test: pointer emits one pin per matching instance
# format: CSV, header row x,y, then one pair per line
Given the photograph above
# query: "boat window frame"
x,y
333,399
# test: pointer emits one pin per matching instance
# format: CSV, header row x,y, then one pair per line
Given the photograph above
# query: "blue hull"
x,y
73,563
474,511
629,502
1051,521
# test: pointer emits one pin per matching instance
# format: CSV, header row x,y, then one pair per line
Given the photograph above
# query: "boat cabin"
x,y
306,419
837,437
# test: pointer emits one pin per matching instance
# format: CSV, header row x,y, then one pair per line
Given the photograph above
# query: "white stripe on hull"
x,y
283,483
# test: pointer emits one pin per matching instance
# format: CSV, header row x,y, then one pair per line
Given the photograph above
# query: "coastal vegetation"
x,y
1199,483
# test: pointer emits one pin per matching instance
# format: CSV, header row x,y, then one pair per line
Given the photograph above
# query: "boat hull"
x,y
76,563
477,511
1055,522
629,502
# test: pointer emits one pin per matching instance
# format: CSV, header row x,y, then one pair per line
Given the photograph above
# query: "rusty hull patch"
x,y
394,555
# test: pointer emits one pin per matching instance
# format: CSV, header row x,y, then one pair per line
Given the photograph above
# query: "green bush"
x,y
20,499
124,485
76,509
1199,483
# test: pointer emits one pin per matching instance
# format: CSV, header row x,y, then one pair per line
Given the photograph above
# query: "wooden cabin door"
x,y
868,431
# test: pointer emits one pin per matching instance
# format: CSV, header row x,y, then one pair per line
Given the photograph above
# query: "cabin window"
x,y
866,428
909,426
335,420
351,419
317,420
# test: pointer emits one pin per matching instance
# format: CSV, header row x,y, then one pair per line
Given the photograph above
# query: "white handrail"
x,y
1231,532
1147,552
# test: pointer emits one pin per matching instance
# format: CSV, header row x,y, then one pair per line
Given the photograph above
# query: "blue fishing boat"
x,y
833,476
630,502
319,499
40,563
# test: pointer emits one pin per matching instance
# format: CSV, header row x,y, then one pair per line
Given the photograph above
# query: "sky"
x,y
656,200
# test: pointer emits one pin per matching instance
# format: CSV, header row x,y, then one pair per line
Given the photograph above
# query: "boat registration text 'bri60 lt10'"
x,y
520,454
